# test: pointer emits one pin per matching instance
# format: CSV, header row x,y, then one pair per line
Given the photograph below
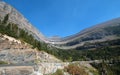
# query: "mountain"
x,y
106,31
98,33
26,51
17,18
23,50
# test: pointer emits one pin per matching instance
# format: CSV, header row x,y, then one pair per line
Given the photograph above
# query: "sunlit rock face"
x,y
17,18
14,51
18,70
20,59
49,68
40,69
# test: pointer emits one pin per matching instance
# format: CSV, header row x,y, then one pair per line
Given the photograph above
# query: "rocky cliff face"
x,y
19,57
41,68
17,18
17,70
14,51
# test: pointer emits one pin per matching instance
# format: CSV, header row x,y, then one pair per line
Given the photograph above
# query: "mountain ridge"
x,y
92,27
17,18
108,30
27,52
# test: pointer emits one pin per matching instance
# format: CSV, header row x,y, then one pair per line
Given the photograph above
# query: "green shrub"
x,y
3,62
58,72
74,69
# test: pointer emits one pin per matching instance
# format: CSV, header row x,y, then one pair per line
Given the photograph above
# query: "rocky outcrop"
x,y
20,59
14,51
29,56
7,42
16,70
49,68
42,68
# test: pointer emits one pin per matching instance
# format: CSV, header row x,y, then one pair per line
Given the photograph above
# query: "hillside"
x,y
17,18
23,59
106,31
13,51
26,51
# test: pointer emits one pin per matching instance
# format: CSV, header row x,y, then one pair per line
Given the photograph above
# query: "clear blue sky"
x,y
66,17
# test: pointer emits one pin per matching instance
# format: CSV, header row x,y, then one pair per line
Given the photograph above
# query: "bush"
x,y
3,62
58,72
74,69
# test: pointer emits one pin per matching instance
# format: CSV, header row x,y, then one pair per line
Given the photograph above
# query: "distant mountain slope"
x,y
109,30
106,31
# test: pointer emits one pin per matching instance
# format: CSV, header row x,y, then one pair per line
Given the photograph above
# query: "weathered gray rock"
x,y
24,60
14,51
43,68
17,70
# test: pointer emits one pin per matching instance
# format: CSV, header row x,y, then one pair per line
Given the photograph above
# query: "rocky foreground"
x,y
14,51
18,58
40,69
